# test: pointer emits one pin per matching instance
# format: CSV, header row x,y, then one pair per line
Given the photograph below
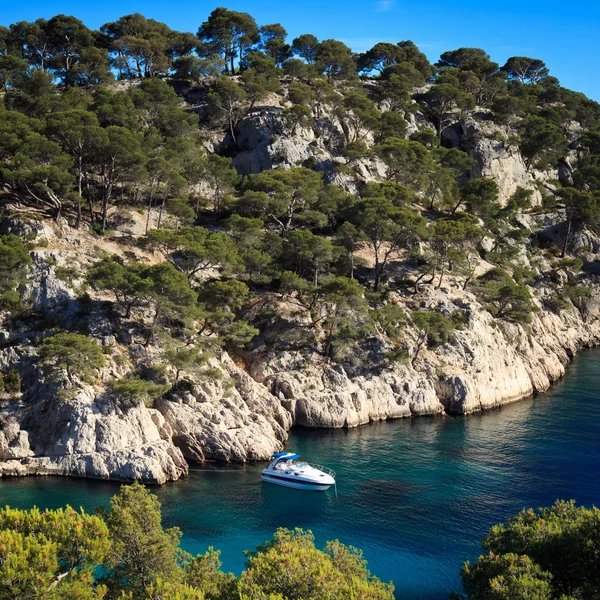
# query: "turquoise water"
x,y
416,495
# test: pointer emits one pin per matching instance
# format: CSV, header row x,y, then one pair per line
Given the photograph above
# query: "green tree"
x,y
116,158
358,115
334,59
194,249
27,565
203,573
525,70
142,553
128,282
222,304
142,47
133,390
507,109
480,197
307,47
582,209
469,59
340,310
407,162
12,70
76,354
442,99
477,73
433,328
14,263
453,245
31,42
290,567
547,553
227,102
503,297
347,237
183,358
542,143
80,541
250,240
273,42
219,173
79,134
260,77
170,295
380,57
68,39
309,255
506,577
228,33
388,230
288,198
157,105
33,170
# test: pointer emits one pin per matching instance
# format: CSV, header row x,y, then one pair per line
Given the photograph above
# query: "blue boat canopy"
x,y
286,454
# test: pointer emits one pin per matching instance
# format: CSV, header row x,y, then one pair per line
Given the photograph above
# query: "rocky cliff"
x,y
245,412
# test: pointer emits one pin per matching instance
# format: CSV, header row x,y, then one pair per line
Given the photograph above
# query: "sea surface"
x,y
416,495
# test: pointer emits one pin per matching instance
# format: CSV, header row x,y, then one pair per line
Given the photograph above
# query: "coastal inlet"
x,y
416,495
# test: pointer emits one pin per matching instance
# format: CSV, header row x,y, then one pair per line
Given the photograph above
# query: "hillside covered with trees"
x,y
208,237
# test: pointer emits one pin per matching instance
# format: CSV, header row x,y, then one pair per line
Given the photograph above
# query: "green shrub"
x,y
11,382
132,390
548,554
503,297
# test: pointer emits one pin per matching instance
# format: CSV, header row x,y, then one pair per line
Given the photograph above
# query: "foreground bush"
x,y
126,554
552,553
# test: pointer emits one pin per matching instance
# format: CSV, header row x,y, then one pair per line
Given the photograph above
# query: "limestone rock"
x,y
88,436
326,396
230,419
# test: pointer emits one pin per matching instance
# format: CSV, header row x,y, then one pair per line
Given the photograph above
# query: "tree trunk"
x,y
160,212
439,285
377,279
105,209
566,242
148,213
231,126
79,189
418,349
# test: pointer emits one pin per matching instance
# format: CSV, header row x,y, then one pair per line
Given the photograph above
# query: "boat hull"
x,y
296,483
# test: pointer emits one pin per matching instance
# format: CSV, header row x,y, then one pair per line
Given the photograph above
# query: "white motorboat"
x,y
285,470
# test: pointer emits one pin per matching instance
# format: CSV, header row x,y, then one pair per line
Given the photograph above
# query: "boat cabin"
x,y
284,461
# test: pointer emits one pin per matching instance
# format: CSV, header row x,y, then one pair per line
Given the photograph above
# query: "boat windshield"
x,y
284,465
300,465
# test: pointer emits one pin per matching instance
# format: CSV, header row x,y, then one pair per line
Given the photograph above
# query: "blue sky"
x,y
565,34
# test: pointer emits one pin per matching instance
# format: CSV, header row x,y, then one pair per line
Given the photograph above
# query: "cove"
x,y
416,495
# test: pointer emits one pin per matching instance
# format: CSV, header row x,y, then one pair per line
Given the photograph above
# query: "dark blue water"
x,y
416,495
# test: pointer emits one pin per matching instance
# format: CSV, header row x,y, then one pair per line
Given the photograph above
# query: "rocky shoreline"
x,y
246,415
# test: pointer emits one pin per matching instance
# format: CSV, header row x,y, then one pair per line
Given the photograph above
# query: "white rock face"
x,y
87,437
500,161
325,396
489,363
230,419
246,413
